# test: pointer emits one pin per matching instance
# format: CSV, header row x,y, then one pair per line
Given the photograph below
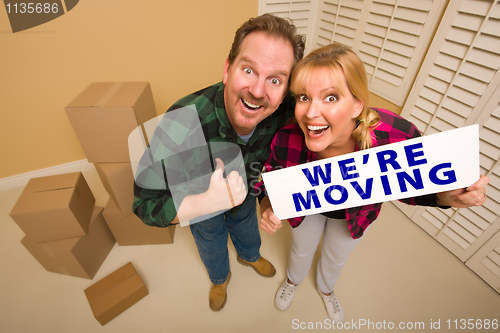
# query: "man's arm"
x,y
153,207
222,194
157,207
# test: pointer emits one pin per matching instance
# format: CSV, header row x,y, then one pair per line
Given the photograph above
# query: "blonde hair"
x,y
342,61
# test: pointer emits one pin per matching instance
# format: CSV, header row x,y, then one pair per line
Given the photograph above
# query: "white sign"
x,y
430,164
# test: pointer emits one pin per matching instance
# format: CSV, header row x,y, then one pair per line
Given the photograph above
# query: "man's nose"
x,y
257,88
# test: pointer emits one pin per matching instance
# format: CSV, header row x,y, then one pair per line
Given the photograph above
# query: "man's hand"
x,y
474,195
269,222
222,194
225,193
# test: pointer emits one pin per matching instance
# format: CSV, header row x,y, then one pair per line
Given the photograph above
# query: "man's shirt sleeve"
x,y
153,202
154,207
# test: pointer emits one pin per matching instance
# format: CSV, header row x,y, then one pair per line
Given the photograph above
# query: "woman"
x,y
332,119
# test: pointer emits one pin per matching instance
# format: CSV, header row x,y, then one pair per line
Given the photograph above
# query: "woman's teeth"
x,y
317,129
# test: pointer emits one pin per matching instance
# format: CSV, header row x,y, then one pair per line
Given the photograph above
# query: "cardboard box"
x,y
115,293
104,115
54,207
118,180
130,230
80,256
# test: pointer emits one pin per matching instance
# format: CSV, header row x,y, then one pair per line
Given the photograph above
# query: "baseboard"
x,y
23,178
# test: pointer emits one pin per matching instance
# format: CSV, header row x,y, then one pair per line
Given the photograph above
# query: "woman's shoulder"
x,y
393,123
291,130
289,145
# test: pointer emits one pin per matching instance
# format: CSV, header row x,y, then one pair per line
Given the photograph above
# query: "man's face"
x,y
257,81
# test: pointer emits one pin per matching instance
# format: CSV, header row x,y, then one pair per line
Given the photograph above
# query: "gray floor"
x,y
397,276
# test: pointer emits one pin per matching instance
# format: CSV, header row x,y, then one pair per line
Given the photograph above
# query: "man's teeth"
x,y
250,105
316,128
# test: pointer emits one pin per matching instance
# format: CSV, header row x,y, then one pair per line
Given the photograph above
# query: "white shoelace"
x,y
333,303
287,291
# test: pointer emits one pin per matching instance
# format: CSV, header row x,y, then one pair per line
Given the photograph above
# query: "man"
x,y
245,109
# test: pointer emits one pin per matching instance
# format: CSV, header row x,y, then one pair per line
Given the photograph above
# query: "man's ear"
x,y
226,68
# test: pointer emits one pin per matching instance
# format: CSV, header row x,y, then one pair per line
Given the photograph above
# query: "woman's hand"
x,y
269,222
474,195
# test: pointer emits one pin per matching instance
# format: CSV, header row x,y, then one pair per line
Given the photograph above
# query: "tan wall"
x,y
178,46
378,102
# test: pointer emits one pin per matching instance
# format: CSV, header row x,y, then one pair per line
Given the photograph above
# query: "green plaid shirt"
x,y
156,207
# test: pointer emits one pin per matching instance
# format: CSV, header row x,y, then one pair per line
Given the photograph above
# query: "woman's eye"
x,y
275,81
331,98
303,98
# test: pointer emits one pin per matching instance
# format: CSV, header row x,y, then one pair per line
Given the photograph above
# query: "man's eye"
x,y
275,81
247,70
331,98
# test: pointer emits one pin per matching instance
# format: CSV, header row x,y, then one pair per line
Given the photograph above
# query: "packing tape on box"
x,y
106,98
109,94
62,270
47,249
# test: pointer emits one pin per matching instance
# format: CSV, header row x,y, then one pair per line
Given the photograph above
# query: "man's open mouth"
x,y
317,129
250,106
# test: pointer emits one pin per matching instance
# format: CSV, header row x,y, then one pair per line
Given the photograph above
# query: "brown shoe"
x,y
218,295
261,266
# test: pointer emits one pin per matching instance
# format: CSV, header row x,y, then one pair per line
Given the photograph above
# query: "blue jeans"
x,y
211,238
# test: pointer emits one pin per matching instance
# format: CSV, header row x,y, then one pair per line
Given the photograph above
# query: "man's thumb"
x,y
220,166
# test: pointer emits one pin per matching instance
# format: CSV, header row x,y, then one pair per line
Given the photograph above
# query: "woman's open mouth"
x,y
317,130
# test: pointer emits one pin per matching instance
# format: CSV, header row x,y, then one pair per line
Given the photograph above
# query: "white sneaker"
x,y
333,307
284,295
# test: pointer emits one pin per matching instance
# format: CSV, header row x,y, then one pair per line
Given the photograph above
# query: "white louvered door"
x,y
486,262
339,21
459,85
301,12
390,36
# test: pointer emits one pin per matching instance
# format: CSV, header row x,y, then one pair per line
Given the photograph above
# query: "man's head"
x,y
273,26
258,69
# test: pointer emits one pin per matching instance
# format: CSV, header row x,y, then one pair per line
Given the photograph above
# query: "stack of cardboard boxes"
x,y
103,116
67,234
64,231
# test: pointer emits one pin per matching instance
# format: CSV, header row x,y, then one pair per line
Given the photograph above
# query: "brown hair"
x,y
341,60
274,26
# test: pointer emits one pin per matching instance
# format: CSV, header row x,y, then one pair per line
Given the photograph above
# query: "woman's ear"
x,y
358,108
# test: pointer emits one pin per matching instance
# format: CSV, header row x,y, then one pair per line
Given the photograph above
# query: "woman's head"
x,y
347,74
340,60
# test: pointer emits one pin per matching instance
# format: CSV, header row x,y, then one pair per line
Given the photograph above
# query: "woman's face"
x,y
326,112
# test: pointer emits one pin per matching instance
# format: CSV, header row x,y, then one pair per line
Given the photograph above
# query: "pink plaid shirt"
x,y
288,149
